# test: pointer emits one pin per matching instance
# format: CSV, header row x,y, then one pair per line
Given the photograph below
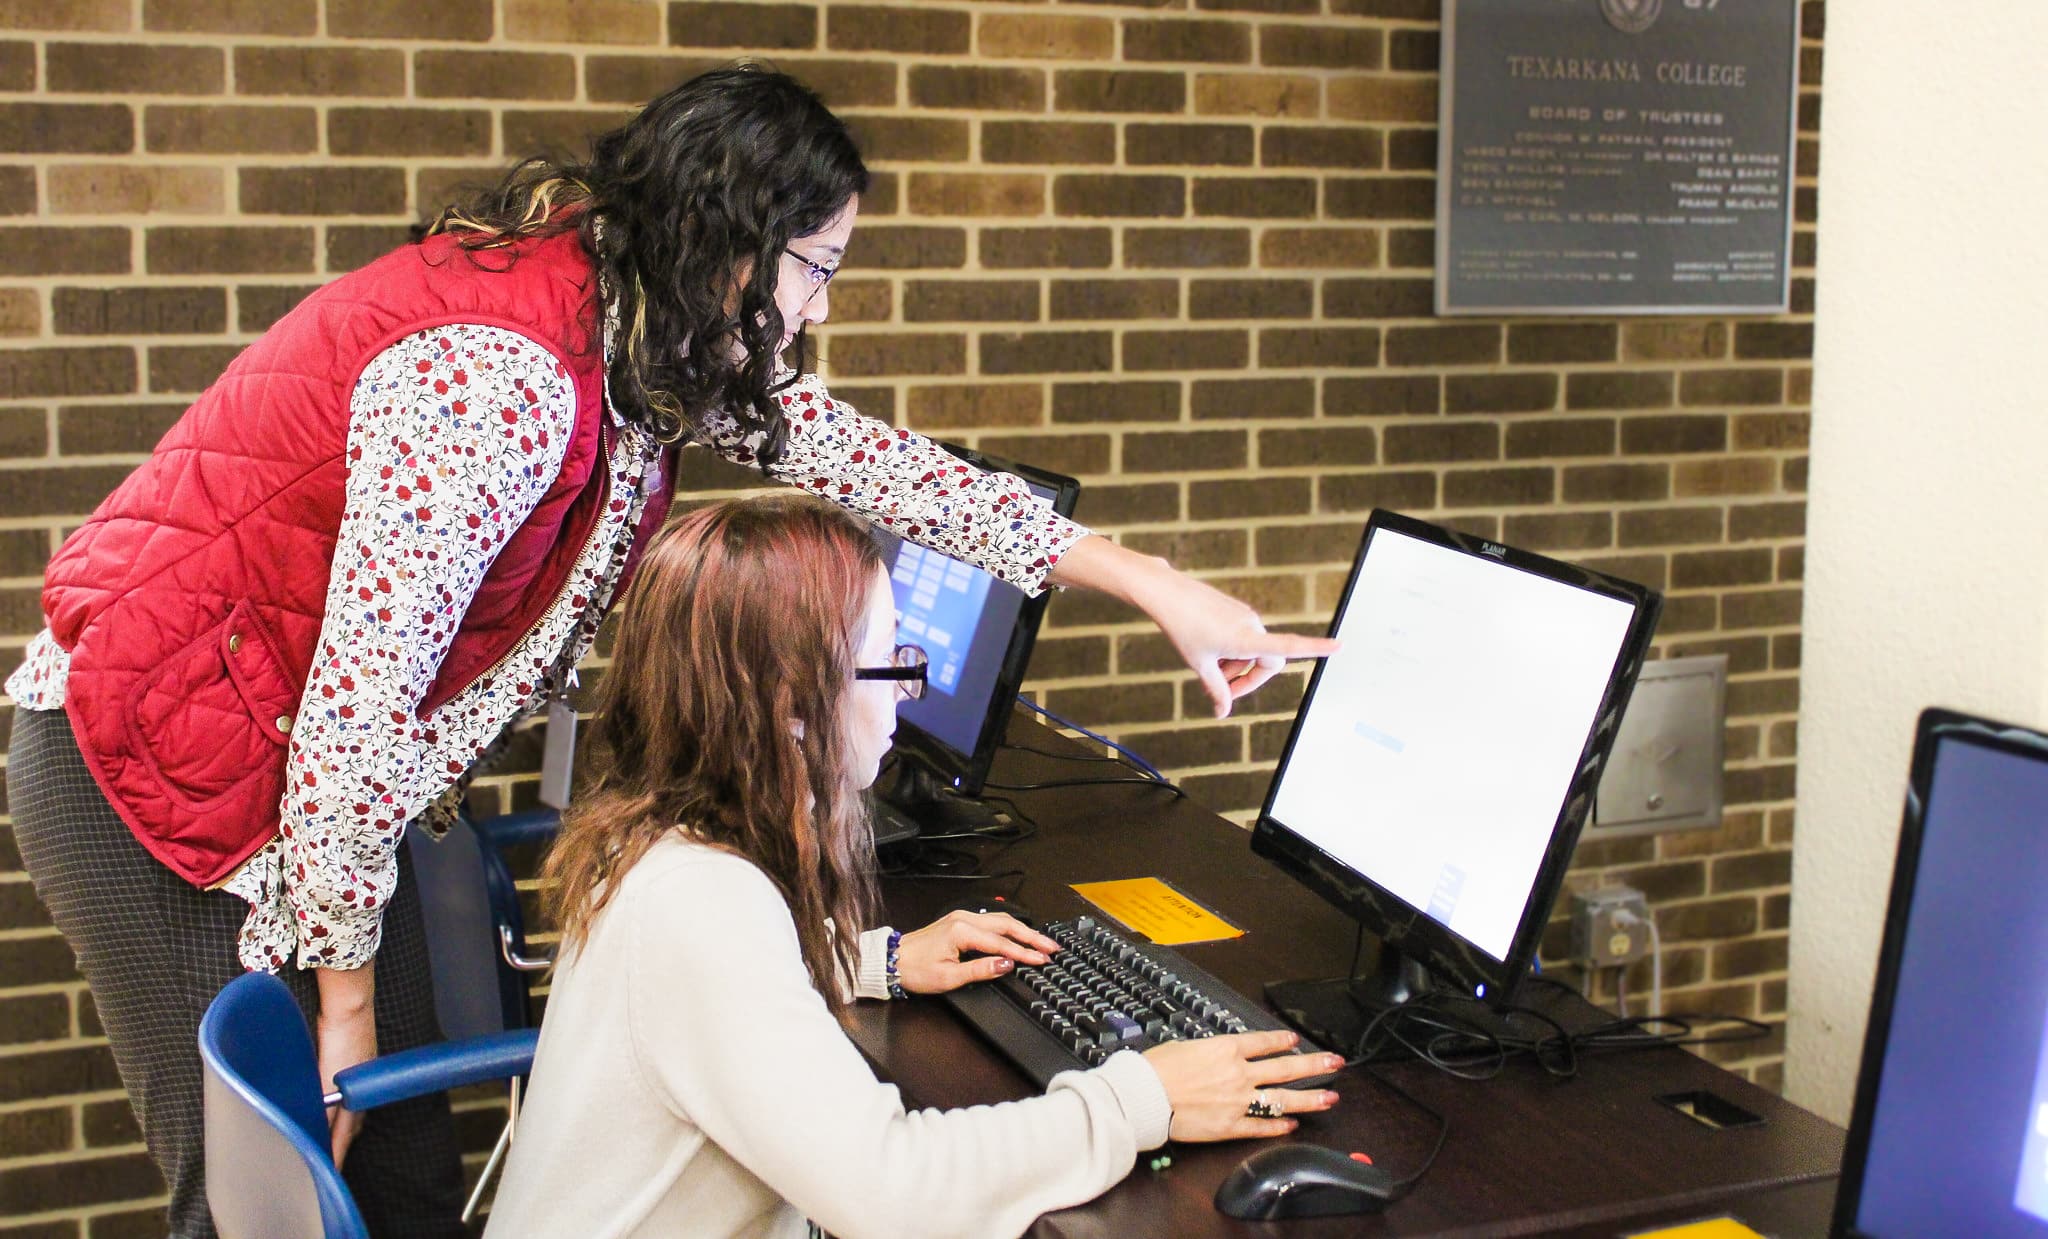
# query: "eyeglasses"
x,y
818,274
906,666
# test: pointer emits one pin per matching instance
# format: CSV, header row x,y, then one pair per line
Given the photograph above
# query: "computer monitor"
x,y
1949,1133
1443,761
978,633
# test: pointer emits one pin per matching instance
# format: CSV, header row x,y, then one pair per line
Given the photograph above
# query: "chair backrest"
x,y
269,1174
462,934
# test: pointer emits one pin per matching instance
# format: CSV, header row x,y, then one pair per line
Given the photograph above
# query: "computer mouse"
x,y
1302,1180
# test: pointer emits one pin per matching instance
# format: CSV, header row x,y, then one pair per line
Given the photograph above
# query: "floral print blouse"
x,y
454,435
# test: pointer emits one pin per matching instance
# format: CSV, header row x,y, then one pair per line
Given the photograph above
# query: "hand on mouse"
x,y
1212,1082
928,960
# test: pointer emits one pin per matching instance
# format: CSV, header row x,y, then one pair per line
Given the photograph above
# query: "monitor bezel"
x,y
1936,726
965,772
1410,930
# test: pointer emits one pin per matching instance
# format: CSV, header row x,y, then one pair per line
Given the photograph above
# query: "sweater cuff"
x,y
1142,1096
873,981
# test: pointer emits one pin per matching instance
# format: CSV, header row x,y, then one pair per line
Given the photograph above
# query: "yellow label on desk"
x,y
1158,911
1712,1228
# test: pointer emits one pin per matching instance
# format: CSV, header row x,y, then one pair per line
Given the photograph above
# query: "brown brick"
x,y
107,429
868,28
1118,90
109,1123
1322,46
1183,451
1792,563
1324,248
1129,504
109,15
1120,300
353,245
586,21
1619,389
319,71
910,138
1141,401
899,247
23,433
1282,96
1187,247
260,305
1411,150
267,17
1718,569
1499,393
1283,545
1794,479
1263,398
1356,492
26,1133
1114,703
1354,347
1291,146
1774,340
1716,918
1575,436
1443,346
1728,475
1201,144
1731,387
21,312
1046,352
412,132
188,368
1616,483
978,194
1411,247
1766,608
46,250
1688,613
1179,39
1045,37
1662,436
1539,343
1467,488
977,88
17,191
66,128
1753,957
904,353
228,250
1208,299
1746,655
1670,526
1757,869
442,21
978,301
1417,51
1378,298
1748,521
1256,197
133,68
1371,397
139,311
958,406
1558,532
563,130
1042,142
1391,97
1772,431
1066,248
1380,197
1248,497
343,190
1080,454
1064,658
29,373
441,74
1184,747
636,79
1095,194
1323,445
112,189
1442,441
1674,341
1186,350
225,129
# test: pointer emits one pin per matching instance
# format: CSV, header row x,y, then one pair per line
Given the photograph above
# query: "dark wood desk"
x,y
1526,1154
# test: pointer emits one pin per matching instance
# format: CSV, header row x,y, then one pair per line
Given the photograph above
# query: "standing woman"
x,y
390,531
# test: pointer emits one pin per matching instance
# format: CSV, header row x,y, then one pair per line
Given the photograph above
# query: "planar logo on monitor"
x,y
1631,16
1494,549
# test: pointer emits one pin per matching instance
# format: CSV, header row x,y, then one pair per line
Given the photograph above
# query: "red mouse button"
x,y
1360,1157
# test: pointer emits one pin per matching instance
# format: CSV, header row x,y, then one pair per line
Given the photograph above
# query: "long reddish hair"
x,y
723,716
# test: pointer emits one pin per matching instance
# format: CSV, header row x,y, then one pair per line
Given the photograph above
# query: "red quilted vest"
x,y
193,598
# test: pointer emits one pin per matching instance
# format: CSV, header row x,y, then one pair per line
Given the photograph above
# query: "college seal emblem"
x,y
1631,16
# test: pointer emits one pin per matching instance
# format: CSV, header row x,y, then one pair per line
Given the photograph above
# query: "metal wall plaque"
x,y
1616,156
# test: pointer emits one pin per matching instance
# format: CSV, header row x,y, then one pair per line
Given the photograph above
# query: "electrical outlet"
x,y
1610,925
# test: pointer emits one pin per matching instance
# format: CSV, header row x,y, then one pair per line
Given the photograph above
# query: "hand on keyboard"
x,y
1212,1083
930,960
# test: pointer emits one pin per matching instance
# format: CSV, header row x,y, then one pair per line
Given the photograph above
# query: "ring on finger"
x,y
1262,1107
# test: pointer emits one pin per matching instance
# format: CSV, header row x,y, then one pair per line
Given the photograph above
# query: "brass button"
x,y
234,643
284,723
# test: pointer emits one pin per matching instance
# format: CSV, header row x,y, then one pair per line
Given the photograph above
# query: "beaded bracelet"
x,y
896,989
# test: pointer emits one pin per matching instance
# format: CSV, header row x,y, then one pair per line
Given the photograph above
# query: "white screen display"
x,y
1437,751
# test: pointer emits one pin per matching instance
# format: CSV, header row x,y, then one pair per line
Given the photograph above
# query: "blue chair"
x,y
269,1174
476,939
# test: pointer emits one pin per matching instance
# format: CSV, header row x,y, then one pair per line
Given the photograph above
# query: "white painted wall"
x,y
1927,532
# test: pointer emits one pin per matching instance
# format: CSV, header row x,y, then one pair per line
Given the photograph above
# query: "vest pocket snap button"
x,y
284,723
234,643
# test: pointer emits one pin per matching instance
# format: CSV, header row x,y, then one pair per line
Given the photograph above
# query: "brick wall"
x,y
1179,249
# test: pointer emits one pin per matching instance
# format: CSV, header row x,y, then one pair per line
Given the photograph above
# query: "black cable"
x,y
1402,1186
1039,787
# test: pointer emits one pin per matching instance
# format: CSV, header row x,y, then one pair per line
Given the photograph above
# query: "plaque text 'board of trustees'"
x,y
1616,156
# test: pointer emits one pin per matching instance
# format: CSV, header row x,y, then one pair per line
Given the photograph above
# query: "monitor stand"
x,y
937,809
1334,1012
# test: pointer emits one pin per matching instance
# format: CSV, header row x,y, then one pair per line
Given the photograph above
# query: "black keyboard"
x,y
1103,993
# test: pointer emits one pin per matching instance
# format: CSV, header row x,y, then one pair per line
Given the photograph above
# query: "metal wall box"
x,y
1664,773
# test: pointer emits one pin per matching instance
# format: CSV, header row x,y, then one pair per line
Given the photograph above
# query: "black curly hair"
x,y
686,211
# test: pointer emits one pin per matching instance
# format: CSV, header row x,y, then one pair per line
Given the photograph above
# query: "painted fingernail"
x,y
1334,1062
1005,964
1329,1099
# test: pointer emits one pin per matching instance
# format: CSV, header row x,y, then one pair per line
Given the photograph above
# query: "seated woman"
x,y
692,1077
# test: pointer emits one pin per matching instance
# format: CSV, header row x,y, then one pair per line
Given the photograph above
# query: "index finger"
x,y
1260,1044
996,940
1290,645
